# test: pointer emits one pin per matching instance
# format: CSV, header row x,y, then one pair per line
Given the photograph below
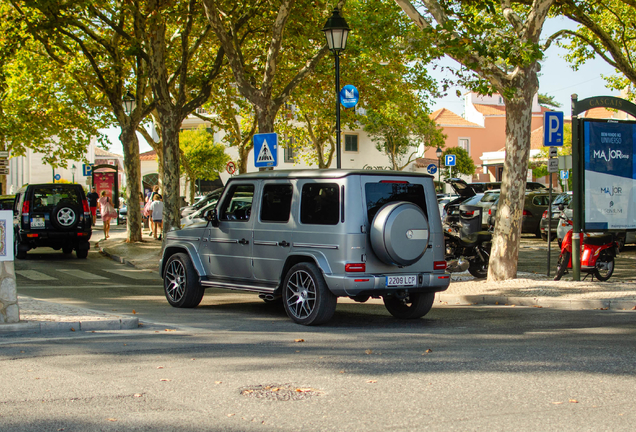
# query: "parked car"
x,y
483,201
7,202
308,237
52,215
563,198
535,203
202,202
485,186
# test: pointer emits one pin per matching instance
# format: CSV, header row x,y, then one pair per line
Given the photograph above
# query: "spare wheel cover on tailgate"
x,y
399,233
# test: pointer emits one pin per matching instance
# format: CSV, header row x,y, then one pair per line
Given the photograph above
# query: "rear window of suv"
x,y
379,194
45,199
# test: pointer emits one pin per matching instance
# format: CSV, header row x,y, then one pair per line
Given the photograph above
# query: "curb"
x,y
56,326
541,302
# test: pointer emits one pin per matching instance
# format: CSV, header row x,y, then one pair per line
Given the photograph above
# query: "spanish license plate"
x,y
37,223
401,281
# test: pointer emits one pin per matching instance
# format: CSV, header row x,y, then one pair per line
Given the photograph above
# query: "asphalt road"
x,y
237,364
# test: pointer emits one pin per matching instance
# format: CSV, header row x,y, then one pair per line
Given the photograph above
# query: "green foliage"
x,y
548,101
608,30
204,158
398,129
42,108
463,162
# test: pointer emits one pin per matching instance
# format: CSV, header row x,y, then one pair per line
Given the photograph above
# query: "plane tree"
x,y
500,45
94,45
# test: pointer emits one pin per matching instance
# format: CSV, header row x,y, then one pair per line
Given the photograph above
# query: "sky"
x,y
557,79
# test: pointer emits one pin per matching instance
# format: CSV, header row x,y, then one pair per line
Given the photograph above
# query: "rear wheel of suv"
x,y
306,297
413,306
180,282
65,216
17,251
81,253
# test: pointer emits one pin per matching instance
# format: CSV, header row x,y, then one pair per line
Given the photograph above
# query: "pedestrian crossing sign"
x,y
265,150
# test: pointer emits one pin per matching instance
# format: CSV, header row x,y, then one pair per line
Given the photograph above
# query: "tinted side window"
x,y
238,203
320,204
276,203
379,194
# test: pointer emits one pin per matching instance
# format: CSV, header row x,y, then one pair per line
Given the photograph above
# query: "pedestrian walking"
x,y
155,191
156,209
108,212
92,198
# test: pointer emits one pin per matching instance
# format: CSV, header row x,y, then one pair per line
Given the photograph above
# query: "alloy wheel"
x,y
301,294
175,280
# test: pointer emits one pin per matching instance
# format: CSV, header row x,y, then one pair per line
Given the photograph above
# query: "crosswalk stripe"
x,y
134,274
34,275
82,274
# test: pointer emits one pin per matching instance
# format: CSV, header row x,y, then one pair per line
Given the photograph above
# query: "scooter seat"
x,y
476,237
599,240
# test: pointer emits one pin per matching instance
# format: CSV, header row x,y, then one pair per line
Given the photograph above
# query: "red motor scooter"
x,y
597,253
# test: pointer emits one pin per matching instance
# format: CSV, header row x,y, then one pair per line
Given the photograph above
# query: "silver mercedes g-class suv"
x,y
307,237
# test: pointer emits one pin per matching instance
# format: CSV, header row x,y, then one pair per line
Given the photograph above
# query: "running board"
x,y
238,286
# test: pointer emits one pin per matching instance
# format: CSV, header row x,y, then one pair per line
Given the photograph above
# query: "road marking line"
x,y
34,275
134,274
82,274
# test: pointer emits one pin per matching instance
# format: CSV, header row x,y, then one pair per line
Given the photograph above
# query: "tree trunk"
x,y
171,123
132,168
505,248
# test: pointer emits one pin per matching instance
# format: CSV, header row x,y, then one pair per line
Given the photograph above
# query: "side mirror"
x,y
212,217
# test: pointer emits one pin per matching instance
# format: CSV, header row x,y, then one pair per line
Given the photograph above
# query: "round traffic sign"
x,y
431,168
349,96
230,167
57,176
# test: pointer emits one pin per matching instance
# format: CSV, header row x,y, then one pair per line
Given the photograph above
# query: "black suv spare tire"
x,y
399,233
65,216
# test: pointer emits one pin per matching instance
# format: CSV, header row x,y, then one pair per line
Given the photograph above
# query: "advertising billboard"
x,y
610,175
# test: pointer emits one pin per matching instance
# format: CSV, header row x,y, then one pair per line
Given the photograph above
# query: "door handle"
x,y
283,243
243,241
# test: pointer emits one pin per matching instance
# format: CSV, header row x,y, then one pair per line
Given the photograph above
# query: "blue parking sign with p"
x,y
450,160
553,129
87,170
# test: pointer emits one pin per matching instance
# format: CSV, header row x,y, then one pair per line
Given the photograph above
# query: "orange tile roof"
x,y
424,162
101,152
444,117
490,109
148,156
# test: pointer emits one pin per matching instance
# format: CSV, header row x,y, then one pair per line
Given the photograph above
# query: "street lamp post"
x,y
438,153
336,31
73,170
129,102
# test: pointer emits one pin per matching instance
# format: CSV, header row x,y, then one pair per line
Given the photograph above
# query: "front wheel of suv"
x,y
180,282
413,306
306,297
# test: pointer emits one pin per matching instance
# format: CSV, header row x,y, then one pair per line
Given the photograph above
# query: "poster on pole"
x,y
610,175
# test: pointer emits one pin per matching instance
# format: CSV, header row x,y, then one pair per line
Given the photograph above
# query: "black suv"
x,y
52,215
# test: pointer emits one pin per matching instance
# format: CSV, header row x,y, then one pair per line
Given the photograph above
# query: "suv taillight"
x,y
545,215
356,267
527,213
87,210
26,207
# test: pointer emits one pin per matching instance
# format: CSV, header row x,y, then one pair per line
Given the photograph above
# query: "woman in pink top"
x,y
103,208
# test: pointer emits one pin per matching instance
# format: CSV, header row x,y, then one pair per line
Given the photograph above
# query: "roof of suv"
x,y
325,173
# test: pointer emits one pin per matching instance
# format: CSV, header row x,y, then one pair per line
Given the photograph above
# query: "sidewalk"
x,y
529,289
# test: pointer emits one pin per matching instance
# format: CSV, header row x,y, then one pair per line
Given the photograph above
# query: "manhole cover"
x,y
279,392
